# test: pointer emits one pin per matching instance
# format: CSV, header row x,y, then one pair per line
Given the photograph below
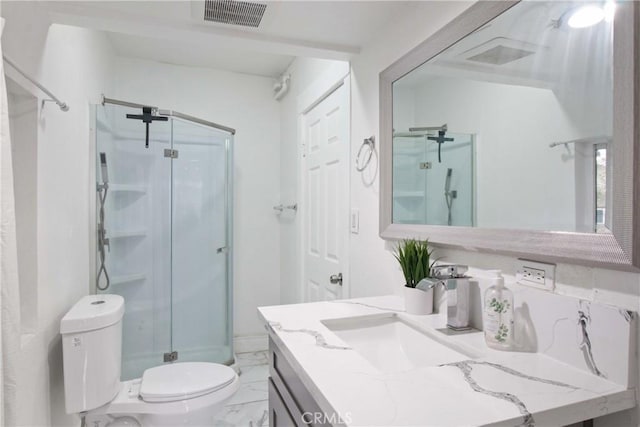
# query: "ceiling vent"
x,y
500,51
247,14
500,55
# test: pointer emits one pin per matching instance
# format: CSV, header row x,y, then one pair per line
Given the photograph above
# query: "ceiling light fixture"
x,y
586,16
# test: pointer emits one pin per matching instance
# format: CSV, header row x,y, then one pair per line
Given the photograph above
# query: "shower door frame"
x,y
228,199
168,113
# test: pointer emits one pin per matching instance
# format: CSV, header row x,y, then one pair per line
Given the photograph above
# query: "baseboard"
x,y
250,343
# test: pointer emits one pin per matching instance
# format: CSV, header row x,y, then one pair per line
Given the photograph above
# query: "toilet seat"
x,y
181,381
129,401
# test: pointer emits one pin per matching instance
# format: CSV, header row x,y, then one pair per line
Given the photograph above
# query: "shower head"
x,y
103,168
447,182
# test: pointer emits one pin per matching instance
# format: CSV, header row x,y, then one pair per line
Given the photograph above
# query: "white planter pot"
x,y
417,301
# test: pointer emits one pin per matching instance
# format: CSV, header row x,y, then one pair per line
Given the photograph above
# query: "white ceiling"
x,y
200,54
173,32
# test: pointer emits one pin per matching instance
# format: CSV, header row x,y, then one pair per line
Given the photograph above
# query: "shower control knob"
x,y
336,279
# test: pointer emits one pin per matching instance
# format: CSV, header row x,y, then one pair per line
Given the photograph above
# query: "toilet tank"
x,y
91,346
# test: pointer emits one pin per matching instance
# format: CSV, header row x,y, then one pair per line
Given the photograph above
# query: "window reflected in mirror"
x,y
600,181
510,126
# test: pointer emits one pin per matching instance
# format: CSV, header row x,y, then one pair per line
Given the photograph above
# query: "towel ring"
x,y
371,144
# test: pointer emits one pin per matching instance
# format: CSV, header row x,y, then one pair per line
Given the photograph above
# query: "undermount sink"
x,y
391,344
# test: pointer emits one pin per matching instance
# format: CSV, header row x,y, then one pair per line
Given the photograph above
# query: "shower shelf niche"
x,y
127,188
129,278
408,194
127,234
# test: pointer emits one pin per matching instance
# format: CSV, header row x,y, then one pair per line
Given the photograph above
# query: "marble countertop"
x,y
492,388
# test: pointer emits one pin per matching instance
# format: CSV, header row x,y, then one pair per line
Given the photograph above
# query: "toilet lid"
x,y
179,381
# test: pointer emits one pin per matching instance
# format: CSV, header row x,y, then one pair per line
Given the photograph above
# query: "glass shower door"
x,y
201,311
137,224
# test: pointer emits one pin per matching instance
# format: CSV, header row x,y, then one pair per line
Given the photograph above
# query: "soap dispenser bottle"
x,y
498,314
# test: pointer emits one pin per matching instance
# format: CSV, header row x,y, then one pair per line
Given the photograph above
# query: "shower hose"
x,y
102,241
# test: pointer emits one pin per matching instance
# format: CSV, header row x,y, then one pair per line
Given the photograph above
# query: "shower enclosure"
x,y
433,183
164,200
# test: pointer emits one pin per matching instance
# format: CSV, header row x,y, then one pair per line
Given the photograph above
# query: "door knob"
x,y
336,279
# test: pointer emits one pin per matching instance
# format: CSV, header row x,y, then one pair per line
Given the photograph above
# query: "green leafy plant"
x,y
414,257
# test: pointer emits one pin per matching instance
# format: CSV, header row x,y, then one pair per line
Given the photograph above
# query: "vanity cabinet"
x,y
290,403
279,414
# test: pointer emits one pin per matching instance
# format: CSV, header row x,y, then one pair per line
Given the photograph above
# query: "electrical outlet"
x,y
536,274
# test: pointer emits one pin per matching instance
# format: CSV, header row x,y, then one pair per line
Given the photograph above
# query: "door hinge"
x,y
172,154
171,357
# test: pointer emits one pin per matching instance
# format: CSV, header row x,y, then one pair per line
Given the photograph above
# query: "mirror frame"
x,y
619,250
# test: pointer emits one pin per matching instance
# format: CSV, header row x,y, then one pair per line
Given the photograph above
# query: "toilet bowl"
x,y
177,394
180,394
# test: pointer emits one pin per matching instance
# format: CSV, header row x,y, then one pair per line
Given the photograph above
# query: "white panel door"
x,y
326,191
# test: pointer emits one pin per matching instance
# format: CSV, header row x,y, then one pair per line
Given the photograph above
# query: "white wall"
x,y
75,65
245,103
374,271
23,119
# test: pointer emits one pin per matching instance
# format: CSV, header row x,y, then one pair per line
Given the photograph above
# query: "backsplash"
x,y
578,332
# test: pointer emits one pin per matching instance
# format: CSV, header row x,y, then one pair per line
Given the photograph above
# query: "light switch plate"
x,y
354,221
536,274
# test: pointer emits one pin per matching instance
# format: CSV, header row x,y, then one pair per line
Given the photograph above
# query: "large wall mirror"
x,y
512,129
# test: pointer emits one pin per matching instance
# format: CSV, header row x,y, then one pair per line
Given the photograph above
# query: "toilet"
x,y
177,394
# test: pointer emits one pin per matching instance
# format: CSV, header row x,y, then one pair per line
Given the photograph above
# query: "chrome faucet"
x,y
456,285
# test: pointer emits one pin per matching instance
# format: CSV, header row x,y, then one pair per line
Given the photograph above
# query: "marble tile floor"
x,y
249,407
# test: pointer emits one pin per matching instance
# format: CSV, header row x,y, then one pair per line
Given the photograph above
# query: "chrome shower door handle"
x,y
336,279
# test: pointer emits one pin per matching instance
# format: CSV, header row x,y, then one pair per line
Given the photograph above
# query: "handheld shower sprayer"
x,y
448,194
104,171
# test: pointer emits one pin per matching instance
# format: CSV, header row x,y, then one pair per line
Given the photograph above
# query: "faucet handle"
x,y
449,271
